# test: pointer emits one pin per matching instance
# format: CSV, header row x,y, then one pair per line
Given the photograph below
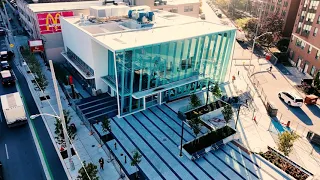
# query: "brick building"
x,y
286,9
304,48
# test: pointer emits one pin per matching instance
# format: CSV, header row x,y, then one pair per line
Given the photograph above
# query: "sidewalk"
x,y
86,146
257,136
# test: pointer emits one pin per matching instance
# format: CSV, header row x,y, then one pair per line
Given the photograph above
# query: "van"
x,y
291,99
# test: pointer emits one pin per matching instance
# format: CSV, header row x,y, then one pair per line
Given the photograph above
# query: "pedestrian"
x,y
233,78
101,162
238,73
270,69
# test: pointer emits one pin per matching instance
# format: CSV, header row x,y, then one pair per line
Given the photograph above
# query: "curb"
x,y
46,125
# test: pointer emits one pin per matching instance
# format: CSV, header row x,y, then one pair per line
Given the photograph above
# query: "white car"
x,y
291,99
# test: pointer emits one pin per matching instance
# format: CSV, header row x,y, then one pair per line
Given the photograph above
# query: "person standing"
x,y
270,69
101,162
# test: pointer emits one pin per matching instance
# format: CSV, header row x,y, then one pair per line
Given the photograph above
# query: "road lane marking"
x,y
5,145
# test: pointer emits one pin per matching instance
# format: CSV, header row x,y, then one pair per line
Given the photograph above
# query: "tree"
x,y
241,23
273,24
216,90
106,126
59,129
41,81
250,27
196,125
286,140
222,3
227,113
316,81
90,170
194,100
136,159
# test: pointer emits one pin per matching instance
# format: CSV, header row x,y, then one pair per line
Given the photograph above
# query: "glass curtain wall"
x,y
148,67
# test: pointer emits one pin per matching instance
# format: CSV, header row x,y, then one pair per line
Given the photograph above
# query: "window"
x,y
313,70
272,8
306,29
283,13
315,31
305,3
314,5
303,14
317,55
285,4
303,44
309,49
188,8
310,17
298,42
174,10
318,21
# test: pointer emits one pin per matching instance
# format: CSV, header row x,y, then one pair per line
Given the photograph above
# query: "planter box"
x,y
210,141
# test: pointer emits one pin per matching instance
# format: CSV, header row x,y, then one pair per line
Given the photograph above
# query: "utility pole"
x,y
62,119
255,37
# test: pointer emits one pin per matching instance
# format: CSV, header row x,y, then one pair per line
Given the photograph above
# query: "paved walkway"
x,y
86,146
260,134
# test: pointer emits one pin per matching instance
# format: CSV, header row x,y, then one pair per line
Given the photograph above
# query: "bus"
x,y
13,109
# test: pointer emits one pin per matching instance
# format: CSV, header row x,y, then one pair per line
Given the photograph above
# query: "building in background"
x,y
41,21
184,7
286,9
146,58
304,48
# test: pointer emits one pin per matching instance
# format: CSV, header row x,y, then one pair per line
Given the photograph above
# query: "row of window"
x,y
299,60
186,9
302,44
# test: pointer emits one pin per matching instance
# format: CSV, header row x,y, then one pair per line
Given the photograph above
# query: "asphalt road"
x,y
24,161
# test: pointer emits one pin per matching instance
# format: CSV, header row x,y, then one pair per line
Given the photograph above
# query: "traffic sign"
x,y
11,45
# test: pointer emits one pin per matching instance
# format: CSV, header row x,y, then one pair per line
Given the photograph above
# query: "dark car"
x,y
5,65
2,32
7,78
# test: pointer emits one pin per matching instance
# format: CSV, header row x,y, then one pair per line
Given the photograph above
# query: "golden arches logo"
x,y
54,21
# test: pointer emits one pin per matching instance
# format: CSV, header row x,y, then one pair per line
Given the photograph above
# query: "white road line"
x,y
5,145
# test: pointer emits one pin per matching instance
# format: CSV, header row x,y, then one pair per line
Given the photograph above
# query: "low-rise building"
x,y
144,57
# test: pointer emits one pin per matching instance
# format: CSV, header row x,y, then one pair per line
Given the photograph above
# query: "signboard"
x,y
50,22
36,45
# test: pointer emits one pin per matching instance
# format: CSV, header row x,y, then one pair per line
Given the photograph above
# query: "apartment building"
x,y
286,9
304,48
184,7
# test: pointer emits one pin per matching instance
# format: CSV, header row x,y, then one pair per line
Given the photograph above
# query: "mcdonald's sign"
x,y
50,22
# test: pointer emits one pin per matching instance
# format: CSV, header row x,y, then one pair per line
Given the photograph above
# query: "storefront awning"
x,y
167,87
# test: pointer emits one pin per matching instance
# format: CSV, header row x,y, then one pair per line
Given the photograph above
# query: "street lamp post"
x,y
183,118
209,83
63,121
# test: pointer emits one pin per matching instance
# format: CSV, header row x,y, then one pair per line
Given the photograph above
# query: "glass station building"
x,y
143,67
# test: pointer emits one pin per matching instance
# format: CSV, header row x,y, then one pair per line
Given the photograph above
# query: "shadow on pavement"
x,y
283,69
315,109
299,113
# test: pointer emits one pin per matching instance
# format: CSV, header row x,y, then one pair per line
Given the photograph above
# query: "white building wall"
x,y
101,68
77,41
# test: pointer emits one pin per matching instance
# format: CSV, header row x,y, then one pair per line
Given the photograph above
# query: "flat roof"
x,y
62,6
176,2
167,27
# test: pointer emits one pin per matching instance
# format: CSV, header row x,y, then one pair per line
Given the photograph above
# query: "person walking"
x,y
270,69
101,162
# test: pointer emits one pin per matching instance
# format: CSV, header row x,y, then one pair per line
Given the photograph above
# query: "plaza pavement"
x,y
258,135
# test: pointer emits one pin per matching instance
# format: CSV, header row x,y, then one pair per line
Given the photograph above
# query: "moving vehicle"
x,y
7,78
5,65
13,109
291,99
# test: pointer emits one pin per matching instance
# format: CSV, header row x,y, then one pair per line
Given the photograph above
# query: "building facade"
x,y
143,67
286,9
304,48
184,7
41,21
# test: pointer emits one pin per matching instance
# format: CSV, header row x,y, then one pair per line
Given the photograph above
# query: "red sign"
x,y
36,45
268,57
50,22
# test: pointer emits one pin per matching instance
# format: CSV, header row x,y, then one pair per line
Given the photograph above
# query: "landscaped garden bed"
x,y
285,164
205,109
220,136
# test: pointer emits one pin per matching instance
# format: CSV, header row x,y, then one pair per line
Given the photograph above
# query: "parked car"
x,y
4,55
5,65
7,78
291,99
2,32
